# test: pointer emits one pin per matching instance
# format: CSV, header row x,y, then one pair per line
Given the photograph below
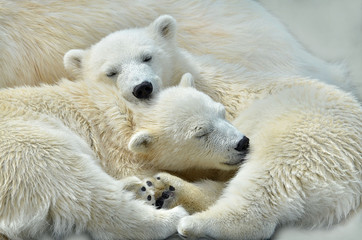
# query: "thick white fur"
x,y
249,93
57,141
34,35
122,54
305,136
51,178
304,166
304,141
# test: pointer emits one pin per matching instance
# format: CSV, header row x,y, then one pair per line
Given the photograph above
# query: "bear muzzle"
x,y
243,149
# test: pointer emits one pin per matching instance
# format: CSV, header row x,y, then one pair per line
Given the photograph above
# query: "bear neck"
x,y
111,122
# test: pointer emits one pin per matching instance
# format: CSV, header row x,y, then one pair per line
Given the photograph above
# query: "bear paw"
x,y
191,228
154,191
166,191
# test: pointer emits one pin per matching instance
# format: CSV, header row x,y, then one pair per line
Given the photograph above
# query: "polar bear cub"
x,y
192,121
304,166
51,180
133,59
51,156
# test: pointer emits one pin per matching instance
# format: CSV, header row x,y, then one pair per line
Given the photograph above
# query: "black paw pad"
x,y
165,195
159,203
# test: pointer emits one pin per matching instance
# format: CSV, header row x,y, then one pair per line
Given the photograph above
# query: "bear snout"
x,y
243,144
143,90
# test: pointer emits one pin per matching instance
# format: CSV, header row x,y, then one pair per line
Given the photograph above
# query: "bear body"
x,y
243,211
35,36
245,94
55,142
304,166
119,59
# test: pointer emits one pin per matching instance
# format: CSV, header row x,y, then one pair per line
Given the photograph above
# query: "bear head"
x,y
184,128
135,60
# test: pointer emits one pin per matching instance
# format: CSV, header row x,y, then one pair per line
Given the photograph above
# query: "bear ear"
x,y
187,80
140,142
73,62
164,26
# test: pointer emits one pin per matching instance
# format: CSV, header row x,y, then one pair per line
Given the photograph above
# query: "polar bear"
x,y
118,59
304,166
301,151
54,141
34,36
135,60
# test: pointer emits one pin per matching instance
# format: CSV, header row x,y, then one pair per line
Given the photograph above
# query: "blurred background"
x,y
330,29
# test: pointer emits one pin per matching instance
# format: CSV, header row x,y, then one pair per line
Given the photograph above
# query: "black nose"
x,y
243,144
143,90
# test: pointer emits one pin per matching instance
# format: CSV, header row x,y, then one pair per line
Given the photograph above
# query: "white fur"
x,y
298,130
51,175
266,99
304,166
119,58
186,128
234,31
58,142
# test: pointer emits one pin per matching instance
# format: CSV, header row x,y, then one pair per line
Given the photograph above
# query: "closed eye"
x,y
202,131
147,58
112,74
202,135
